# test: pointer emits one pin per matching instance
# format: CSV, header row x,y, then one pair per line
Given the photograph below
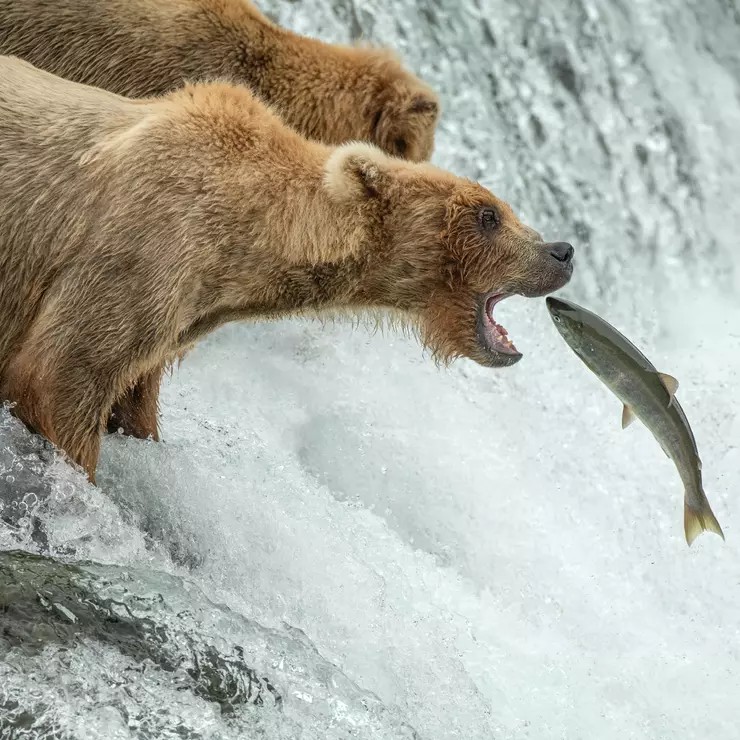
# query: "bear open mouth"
x,y
494,337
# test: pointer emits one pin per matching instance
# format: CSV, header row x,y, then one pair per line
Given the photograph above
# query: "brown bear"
x,y
147,47
131,228
143,48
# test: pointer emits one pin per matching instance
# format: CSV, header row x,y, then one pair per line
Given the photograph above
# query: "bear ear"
x,y
356,172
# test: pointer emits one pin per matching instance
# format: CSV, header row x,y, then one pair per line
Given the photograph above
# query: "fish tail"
x,y
698,520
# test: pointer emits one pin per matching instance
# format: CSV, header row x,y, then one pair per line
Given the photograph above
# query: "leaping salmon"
x,y
646,394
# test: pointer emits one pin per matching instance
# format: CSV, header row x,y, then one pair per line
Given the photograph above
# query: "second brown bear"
x,y
141,48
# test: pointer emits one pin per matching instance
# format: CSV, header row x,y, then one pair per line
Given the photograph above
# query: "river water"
x,y
336,539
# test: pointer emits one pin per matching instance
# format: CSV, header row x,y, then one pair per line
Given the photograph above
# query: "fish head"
x,y
592,338
563,313
574,324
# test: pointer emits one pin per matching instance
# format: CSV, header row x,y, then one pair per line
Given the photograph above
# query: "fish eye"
x,y
556,319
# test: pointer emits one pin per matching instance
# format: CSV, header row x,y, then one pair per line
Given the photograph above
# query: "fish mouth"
x,y
565,315
492,336
557,306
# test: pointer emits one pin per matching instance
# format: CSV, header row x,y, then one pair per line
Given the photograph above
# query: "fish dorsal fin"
x,y
670,384
628,416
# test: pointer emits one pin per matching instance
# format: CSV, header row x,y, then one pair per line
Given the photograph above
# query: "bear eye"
x,y
401,146
488,218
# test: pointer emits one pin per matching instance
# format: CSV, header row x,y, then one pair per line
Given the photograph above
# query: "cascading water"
x,y
337,539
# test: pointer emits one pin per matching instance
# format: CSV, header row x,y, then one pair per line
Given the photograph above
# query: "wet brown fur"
x,y
142,48
129,229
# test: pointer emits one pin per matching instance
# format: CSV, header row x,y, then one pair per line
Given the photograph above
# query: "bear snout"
x,y
557,263
561,251
550,269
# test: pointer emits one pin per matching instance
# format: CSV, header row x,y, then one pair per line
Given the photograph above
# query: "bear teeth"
x,y
498,336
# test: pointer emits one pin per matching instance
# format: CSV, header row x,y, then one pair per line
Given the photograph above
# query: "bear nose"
x,y
561,251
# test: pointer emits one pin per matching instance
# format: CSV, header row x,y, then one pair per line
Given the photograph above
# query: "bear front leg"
x,y
66,405
137,410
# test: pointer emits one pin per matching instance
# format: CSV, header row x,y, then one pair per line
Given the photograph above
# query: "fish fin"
x,y
628,416
696,521
670,384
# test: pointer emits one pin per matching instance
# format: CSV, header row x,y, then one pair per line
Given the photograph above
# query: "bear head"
x,y
336,94
443,251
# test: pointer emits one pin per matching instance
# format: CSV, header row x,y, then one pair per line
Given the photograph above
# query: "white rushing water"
x,y
337,539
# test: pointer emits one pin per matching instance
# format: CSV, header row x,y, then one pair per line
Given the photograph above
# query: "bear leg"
x,y
136,411
62,405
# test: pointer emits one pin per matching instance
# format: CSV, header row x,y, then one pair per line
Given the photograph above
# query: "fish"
x,y
647,394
